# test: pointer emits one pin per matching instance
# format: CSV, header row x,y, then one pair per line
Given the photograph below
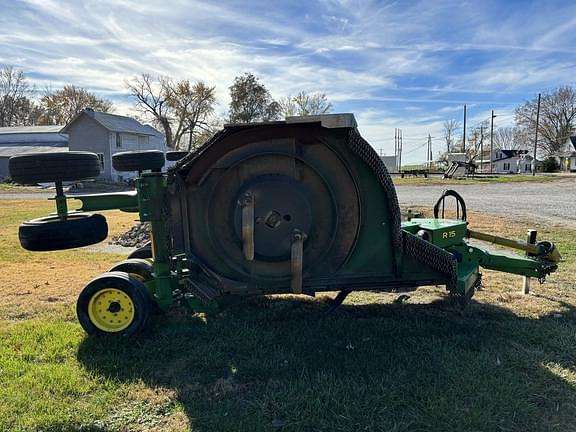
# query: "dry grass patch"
x,y
506,363
33,282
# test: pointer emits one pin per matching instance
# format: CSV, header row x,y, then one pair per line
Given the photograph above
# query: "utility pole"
x,y
429,152
464,133
396,147
536,137
491,139
481,146
399,150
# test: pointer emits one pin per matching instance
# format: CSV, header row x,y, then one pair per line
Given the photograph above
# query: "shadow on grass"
x,y
373,367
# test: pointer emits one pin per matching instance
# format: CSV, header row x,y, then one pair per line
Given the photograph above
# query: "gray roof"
x,y
113,122
30,129
154,131
14,150
510,154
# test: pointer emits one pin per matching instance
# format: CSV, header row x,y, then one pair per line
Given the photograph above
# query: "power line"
x,y
417,148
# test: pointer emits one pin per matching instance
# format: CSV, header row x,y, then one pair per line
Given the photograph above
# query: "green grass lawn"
x,y
507,363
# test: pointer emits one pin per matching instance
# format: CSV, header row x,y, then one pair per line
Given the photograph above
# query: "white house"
x,y
567,157
106,134
511,162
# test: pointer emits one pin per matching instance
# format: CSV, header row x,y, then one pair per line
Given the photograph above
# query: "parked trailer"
x,y
298,206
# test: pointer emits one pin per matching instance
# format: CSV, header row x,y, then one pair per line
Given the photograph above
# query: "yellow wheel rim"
x,y
111,310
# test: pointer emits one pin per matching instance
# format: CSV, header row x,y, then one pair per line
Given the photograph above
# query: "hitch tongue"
x,y
543,250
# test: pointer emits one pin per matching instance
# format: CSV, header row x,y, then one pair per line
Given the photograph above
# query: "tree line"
x,y
184,110
557,122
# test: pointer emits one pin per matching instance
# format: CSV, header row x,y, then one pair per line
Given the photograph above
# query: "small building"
x,y
29,139
456,157
511,162
106,134
390,162
567,157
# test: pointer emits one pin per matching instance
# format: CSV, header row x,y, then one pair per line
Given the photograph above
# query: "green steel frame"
x,y
171,272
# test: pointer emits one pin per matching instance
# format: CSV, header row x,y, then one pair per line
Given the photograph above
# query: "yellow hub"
x,y
111,310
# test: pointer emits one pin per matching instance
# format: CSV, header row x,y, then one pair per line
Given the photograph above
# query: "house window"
x,y
142,141
118,140
101,159
527,167
506,166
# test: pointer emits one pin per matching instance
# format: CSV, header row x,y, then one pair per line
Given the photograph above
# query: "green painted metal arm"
x,y
505,263
125,201
544,250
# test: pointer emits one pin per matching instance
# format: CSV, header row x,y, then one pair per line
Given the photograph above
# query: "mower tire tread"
x,y
131,289
53,167
144,252
53,233
138,160
176,155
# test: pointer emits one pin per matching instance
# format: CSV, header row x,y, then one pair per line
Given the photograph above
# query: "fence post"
x,y
531,239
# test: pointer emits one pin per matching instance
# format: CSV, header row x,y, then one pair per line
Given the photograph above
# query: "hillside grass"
x,y
279,362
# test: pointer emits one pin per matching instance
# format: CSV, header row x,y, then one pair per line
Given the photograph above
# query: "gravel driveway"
x,y
551,203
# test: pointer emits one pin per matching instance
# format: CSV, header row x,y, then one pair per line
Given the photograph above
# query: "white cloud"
x,y
396,64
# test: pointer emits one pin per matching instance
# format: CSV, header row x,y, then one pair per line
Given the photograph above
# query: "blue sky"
x,y
408,64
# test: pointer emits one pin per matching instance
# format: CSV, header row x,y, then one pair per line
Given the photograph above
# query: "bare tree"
x,y
190,107
304,104
63,105
180,108
478,141
251,101
557,119
151,101
16,108
509,138
450,128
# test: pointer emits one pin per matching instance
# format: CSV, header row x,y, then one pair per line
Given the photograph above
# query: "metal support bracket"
x,y
247,204
297,260
61,206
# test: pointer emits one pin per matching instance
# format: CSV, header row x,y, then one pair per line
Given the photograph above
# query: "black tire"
x,y
144,252
131,302
52,233
52,167
138,160
140,268
175,155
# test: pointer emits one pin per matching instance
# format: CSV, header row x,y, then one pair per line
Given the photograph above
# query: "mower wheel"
x,y
138,160
114,304
53,167
53,233
144,252
175,155
140,269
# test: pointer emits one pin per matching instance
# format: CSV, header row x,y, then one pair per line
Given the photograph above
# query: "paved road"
x,y
552,203
31,195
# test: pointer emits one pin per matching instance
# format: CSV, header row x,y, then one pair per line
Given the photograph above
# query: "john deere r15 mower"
x,y
298,206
